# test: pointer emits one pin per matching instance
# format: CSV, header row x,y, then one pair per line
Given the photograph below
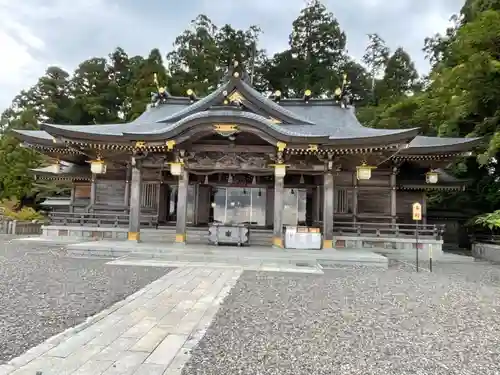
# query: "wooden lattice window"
x,y
341,201
149,198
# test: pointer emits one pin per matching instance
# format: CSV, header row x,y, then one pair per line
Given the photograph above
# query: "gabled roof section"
x,y
38,137
66,170
249,94
440,145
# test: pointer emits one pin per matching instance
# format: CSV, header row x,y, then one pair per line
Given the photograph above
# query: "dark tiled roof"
x,y
422,144
317,118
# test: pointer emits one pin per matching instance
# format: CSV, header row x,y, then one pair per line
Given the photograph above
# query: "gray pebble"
x,y
42,293
356,321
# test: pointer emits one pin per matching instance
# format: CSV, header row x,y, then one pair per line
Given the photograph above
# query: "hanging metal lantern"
x,y
364,171
431,177
98,166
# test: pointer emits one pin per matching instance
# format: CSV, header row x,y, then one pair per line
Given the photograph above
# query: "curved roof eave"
x,y
401,136
440,145
223,116
36,137
81,132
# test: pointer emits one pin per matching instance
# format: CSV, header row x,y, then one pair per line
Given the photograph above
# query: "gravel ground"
x,y
43,293
356,321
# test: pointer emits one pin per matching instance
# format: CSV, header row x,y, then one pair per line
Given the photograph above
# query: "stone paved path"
x,y
150,332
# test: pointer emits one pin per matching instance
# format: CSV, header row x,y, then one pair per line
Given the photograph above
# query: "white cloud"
x,y
37,33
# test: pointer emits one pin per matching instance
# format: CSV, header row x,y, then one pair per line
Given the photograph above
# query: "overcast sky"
x,y
37,33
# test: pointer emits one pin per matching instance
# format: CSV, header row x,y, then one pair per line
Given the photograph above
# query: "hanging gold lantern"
x,y
98,166
364,171
431,177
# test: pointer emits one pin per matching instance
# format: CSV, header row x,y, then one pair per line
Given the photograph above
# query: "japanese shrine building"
x,y
239,157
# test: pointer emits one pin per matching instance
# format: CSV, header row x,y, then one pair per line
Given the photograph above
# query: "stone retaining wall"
x,y
391,245
486,251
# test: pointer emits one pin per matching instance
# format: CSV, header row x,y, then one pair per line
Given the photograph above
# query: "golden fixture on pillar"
x,y
191,94
281,146
431,177
170,144
176,168
307,95
140,145
277,96
279,170
364,171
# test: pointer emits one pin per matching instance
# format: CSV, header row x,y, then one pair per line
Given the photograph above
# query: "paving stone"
x,y
93,367
127,364
141,328
167,350
127,344
150,340
150,369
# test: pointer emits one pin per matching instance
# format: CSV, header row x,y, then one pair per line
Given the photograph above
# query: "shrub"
x,y
10,208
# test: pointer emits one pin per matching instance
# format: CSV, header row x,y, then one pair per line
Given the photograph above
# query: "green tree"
x,y
194,62
400,77
143,82
316,55
94,94
375,58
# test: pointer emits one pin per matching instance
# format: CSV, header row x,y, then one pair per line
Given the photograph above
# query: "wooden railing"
x,y
20,227
388,229
115,220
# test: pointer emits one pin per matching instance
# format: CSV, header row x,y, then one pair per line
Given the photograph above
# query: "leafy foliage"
x,y
460,97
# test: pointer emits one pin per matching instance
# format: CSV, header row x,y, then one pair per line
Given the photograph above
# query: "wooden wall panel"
x,y
374,201
82,190
404,201
110,193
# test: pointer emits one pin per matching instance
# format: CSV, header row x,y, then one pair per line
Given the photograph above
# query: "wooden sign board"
x,y
417,211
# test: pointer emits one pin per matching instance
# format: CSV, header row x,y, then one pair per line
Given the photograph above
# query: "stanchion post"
x,y
430,257
417,216
416,245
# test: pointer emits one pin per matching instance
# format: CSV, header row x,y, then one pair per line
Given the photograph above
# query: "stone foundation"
x,y
84,233
393,245
486,251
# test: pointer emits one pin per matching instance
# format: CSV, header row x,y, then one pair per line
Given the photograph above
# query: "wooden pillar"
x,y
126,198
134,225
279,191
393,196
424,208
354,197
93,192
328,207
72,198
182,193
